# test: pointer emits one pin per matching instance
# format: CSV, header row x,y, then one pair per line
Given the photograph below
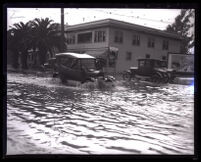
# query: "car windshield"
x,y
148,63
157,64
141,63
88,63
163,64
65,61
160,64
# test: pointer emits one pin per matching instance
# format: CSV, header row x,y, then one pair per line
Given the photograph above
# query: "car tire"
x,y
126,76
165,78
156,78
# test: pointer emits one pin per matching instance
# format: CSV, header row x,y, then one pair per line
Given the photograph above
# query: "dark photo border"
x,y
130,4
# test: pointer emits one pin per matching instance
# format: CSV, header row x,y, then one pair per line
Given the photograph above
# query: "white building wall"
x,y
139,51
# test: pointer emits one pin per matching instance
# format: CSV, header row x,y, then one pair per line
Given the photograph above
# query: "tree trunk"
x,y
15,56
51,53
24,60
42,55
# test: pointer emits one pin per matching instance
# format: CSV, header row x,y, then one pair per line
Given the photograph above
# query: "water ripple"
x,y
44,116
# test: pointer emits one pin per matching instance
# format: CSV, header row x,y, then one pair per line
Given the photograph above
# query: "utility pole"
x,y
62,31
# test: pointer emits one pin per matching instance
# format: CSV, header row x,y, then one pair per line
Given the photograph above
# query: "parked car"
x,y
78,67
150,69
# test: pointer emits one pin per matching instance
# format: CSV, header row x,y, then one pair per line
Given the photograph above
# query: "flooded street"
x,y
46,117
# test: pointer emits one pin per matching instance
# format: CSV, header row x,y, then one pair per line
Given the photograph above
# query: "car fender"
x,y
126,71
160,74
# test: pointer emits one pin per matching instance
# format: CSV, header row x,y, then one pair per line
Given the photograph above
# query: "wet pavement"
x,y
46,117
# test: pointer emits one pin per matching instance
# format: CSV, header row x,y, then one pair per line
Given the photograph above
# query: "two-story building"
x,y
128,42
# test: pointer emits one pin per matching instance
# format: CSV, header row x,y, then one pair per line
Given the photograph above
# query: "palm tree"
x,y
20,39
45,37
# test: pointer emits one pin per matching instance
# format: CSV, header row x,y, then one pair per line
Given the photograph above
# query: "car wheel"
x,y
156,78
171,78
127,76
165,78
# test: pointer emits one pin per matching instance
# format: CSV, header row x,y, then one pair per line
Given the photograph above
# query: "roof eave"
x,y
121,24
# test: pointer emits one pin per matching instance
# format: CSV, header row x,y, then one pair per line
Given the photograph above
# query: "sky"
x,y
154,18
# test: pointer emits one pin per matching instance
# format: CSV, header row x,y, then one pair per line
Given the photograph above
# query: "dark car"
x,y
150,69
78,67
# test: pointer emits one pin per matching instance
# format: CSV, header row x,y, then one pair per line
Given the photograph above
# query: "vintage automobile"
x,y
153,70
78,67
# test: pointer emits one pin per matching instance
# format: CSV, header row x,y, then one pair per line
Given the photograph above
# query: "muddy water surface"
x,y
44,116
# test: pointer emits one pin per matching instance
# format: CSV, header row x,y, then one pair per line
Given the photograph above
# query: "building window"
x,y
136,40
165,45
70,38
84,38
164,57
147,56
118,37
128,56
151,43
99,36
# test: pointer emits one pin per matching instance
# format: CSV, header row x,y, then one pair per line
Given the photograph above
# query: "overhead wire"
x,y
137,17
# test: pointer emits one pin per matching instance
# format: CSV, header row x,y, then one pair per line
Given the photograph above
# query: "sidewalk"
x,y
37,72
184,81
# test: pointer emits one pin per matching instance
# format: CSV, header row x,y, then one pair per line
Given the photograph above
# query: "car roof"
x,y
75,55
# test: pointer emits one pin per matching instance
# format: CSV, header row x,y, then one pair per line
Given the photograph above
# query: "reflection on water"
x,y
44,116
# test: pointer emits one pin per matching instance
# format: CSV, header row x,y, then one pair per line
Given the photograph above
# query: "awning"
x,y
113,49
98,53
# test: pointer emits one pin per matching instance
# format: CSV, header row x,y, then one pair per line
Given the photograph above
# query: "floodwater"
x,y
46,117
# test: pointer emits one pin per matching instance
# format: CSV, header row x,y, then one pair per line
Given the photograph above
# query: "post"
x,y
62,30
